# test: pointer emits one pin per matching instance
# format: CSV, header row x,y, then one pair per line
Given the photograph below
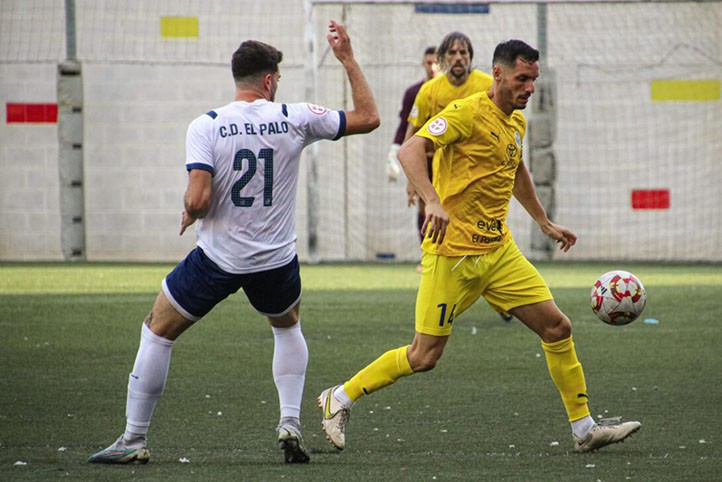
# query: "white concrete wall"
x,y
29,195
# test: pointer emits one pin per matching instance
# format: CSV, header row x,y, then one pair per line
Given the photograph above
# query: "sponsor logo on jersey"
x,y
437,126
479,239
493,225
517,138
317,109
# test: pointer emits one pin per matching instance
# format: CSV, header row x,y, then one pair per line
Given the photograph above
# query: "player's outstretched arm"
x,y
563,236
365,115
412,157
525,193
411,195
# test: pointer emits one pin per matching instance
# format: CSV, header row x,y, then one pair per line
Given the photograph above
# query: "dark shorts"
x,y
197,284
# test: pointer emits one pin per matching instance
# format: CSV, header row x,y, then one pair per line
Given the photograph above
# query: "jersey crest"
x,y
317,109
438,126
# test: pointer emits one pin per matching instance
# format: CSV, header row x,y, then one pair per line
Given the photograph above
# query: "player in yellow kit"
x,y
456,54
469,252
459,80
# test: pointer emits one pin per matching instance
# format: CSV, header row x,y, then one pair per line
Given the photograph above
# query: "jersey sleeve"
x,y
317,122
421,109
484,81
199,143
451,125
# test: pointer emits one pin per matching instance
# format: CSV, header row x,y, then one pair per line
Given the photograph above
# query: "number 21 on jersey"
x,y
246,159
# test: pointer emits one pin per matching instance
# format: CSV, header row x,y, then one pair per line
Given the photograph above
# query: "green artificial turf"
x,y
487,412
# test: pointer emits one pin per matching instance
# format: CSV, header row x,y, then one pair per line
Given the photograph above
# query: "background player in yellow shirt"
x,y
459,80
469,252
431,67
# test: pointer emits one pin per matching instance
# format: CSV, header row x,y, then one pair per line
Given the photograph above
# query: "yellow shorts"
x,y
450,285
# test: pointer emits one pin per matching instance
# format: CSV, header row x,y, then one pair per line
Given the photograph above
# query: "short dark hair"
x,y
253,57
431,50
507,52
449,40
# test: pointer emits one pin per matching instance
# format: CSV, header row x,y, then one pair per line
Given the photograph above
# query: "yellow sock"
x,y
383,371
568,376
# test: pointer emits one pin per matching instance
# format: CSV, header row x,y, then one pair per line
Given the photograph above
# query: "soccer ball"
x,y
618,297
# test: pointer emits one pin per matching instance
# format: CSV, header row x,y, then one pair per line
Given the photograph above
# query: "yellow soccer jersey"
x,y
478,150
436,94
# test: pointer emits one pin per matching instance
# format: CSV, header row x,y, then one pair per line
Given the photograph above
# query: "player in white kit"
x,y
243,161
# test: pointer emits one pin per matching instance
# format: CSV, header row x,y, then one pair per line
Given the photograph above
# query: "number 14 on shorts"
x,y
443,308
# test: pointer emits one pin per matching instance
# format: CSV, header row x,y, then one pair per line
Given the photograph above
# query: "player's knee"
x,y
423,362
557,329
423,365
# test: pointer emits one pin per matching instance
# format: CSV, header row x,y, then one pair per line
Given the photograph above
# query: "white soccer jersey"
x,y
253,151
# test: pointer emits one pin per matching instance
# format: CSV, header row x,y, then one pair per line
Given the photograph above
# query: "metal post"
x,y
70,51
70,145
313,202
541,29
542,127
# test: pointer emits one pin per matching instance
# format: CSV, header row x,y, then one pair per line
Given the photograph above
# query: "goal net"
x,y
636,118
637,115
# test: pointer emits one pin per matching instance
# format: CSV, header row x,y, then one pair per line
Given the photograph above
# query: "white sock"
x,y
341,395
146,382
581,427
290,358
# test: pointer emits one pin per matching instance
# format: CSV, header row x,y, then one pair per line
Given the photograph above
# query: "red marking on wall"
x,y
32,113
650,199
